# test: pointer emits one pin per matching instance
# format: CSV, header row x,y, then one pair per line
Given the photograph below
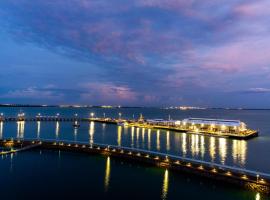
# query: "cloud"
x,y
257,90
33,93
108,93
146,50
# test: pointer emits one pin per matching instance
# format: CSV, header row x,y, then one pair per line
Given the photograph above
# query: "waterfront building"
x,y
212,125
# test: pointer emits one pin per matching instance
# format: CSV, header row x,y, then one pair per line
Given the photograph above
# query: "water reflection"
x,y
107,174
158,140
119,134
38,129
165,185
239,150
149,138
91,132
137,136
184,144
168,140
258,196
212,148
1,129
57,128
20,129
132,136
143,133
222,149
75,134
194,145
202,147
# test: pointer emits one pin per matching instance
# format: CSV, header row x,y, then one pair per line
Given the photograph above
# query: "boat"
x,y
122,123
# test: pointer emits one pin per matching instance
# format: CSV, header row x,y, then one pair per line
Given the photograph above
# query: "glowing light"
x,y
158,140
119,134
258,196
143,133
38,129
20,129
57,129
91,132
107,174
194,145
212,148
165,185
149,138
132,136
239,150
75,134
92,114
137,136
184,144
202,148
222,149
1,129
168,140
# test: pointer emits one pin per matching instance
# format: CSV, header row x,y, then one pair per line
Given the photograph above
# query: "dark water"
x,y
68,174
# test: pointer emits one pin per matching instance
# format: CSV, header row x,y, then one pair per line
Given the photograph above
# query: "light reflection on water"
x,y
107,174
1,129
165,185
213,149
222,150
239,150
38,129
20,129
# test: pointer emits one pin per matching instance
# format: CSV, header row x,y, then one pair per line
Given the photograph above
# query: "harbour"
x,y
248,179
198,154
212,127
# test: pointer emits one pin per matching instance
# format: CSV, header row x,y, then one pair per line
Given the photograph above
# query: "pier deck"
x,y
238,176
130,123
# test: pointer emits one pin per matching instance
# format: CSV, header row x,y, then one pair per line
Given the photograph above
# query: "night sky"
x,y
210,53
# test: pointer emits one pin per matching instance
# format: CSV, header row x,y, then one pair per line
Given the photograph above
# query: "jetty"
x,y
202,126
249,179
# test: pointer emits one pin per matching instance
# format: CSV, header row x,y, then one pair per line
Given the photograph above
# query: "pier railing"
x,y
156,155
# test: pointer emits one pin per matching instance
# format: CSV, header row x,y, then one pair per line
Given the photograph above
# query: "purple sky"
x,y
139,52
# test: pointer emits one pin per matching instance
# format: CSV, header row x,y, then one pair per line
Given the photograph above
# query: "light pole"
x,y
92,114
120,114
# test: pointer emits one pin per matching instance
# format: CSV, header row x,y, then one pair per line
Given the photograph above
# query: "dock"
x,y
132,123
249,179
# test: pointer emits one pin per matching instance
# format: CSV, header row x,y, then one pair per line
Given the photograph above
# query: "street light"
x,y
120,114
92,114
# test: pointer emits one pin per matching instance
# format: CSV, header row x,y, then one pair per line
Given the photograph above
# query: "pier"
x,y
166,125
249,179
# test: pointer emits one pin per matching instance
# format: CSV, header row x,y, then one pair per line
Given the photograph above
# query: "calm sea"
x,y
37,174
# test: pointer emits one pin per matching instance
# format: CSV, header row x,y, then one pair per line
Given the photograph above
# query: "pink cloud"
x,y
249,54
254,9
108,93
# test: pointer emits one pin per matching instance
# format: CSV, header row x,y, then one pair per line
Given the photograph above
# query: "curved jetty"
x,y
249,179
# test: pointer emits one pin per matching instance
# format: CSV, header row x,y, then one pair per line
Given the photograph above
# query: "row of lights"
x,y
156,158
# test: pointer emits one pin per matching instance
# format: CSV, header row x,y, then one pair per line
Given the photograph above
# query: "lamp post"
x,y
92,114
120,114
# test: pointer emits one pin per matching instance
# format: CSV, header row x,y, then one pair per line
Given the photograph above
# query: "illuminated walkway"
x,y
238,176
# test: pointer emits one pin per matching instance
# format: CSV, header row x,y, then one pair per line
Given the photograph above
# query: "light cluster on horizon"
x,y
144,52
